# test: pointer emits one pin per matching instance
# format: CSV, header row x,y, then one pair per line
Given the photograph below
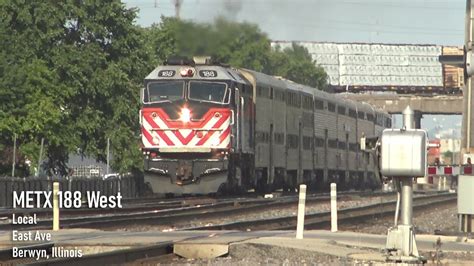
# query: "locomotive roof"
x,y
228,73
222,73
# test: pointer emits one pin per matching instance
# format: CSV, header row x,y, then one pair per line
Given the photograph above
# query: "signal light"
x,y
186,72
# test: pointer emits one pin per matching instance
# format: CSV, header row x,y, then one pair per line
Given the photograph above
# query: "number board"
x,y
166,73
208,73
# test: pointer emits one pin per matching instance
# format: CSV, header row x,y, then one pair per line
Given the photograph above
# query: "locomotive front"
x,y
187,123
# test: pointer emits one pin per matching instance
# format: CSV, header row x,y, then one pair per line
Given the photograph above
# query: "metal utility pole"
x,y
407,183
397,145
108,155
466,182
466,62
14,155
467,132
177,8
40,157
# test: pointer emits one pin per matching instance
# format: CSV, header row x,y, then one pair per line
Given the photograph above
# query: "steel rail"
x,y
173,216
116,257
324,218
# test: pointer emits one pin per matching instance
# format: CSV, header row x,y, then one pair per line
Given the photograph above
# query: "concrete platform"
x,y
209,244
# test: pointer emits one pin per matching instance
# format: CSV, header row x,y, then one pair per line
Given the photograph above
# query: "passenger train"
x,y
210,128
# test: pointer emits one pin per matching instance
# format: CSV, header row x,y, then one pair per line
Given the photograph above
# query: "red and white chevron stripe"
x,y
212,131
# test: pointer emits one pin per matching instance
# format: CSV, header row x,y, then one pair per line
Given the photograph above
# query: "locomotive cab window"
x,y
164,91
207,91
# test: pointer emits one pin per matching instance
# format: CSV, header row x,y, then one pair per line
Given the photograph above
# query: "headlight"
x,y
185,115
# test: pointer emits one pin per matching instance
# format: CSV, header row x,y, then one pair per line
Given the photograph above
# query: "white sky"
x,y
385,21
382,21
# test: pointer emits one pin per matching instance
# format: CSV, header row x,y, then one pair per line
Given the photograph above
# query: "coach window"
x,y
332,143
318,104
207,91
370,117
164,91
341,110
352,113
319,142
331,107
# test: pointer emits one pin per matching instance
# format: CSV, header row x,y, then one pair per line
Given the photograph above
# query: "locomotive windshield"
x,y
207,91
165,91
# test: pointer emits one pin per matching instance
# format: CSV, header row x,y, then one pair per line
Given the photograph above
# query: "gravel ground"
x,y
442,217
256,254
273,212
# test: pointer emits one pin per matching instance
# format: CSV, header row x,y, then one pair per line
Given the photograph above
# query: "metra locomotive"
x,y
210,128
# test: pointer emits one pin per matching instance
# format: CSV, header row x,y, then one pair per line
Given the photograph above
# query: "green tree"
x,y
238,44
296,64
160,39
71,74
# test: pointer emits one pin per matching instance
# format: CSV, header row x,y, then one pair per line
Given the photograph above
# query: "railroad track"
x,y
156,215
318,219
324,218
167,217
129,205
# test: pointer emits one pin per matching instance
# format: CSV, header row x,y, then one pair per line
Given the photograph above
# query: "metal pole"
x,y
401,244
40,157
108,154
469,47
467,132
408,118
406,214
407,201
14,155
177,8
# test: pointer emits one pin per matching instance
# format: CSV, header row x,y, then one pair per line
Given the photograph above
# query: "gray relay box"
x,y
403,153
